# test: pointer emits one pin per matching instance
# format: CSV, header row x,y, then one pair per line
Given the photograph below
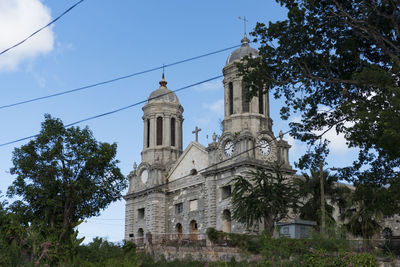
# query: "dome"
x,y
244,50
163,94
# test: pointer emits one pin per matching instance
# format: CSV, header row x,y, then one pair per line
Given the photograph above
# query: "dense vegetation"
x,y
274,252
63,176
337,64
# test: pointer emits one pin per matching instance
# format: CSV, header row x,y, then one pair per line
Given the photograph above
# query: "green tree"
x,y
13,238
310,191
263,196
63,177
337,63
364,213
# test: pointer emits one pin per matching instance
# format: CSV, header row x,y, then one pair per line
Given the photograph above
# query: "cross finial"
x,y
163,82
196,132
244,21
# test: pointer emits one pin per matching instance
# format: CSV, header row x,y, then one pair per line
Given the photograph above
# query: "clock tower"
x,y
247,126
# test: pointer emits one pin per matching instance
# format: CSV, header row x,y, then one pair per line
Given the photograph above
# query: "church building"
x,y
176,192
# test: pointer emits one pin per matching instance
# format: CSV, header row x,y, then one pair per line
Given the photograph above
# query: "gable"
x,y
194,157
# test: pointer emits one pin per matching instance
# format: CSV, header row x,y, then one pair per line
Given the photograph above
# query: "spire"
x,y
245,41
163,82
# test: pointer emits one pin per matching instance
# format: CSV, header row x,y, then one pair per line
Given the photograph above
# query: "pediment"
x,y
194,157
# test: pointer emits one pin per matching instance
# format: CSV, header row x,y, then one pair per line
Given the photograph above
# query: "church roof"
x,y
163,94
194,157
244,50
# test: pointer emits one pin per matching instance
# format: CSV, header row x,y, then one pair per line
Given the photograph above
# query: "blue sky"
x,y
100,40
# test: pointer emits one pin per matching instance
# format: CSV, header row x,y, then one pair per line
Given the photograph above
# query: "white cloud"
x,y
210,86
216,107
18,19
337,141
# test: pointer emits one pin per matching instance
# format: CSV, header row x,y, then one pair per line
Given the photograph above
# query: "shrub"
x,y
344,259
212,234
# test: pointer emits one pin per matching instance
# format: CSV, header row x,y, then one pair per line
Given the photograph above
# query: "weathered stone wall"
x,y
200,253
185,195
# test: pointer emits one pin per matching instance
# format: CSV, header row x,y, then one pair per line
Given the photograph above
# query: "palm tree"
x,y
365,210
263,196
309,189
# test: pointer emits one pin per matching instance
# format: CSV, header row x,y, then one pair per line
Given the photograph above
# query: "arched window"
x,y
387,233
172,131
260,101
148,133
226,221
230,96
179,230
245,100
140,236
193,229
159,131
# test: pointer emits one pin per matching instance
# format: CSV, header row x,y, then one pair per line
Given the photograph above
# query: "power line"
x,y
119,109
39,30
117,78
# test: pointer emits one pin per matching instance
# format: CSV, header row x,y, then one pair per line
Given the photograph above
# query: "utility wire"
x,y
119,109
39,30
117,79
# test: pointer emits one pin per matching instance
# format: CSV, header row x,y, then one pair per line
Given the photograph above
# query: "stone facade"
x,y
175,192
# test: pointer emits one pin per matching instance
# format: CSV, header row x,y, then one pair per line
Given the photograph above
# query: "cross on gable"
x,y
196,132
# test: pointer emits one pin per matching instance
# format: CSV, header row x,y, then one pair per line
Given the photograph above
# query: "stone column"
x,y
144,133
266,104
129,220
211,188
180,137
153,131
237,96
167,130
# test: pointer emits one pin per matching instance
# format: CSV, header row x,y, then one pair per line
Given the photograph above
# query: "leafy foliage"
x,y
100,253
325,259
337,63
366,208
263,196
310,190
63,176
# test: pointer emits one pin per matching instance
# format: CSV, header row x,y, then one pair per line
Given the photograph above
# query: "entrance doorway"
x,y
140,236
193,229
226,221
179,230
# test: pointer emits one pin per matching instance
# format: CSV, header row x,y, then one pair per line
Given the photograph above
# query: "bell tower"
x,y
247,125
162,117
240,111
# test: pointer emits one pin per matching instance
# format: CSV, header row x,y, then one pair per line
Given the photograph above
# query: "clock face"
x,y
144,176
229,148
264,147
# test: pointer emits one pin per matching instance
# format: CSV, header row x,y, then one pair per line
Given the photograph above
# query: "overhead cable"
x,y
119,109
39,30
116,79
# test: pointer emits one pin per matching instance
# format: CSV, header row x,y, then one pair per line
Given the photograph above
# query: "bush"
x,y
212,234
344,259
